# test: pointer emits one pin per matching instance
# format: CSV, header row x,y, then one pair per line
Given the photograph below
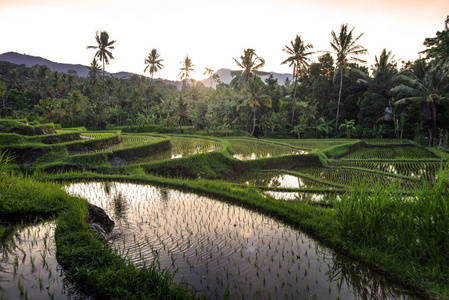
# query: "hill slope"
x,y
83,71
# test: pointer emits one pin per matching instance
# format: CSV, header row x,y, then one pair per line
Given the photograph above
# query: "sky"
x,y
212,32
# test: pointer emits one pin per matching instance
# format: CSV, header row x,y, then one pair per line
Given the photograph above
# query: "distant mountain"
x,y
226,77
29,61
83,71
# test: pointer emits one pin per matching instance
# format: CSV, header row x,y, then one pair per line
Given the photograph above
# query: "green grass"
x,y
386,141
411,228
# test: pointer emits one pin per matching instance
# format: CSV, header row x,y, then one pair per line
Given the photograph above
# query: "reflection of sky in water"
x,y
254,156
214,245
28,256
275,179
182,150
287,181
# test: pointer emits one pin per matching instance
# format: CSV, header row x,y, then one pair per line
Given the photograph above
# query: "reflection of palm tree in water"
x,y
164,197
119,206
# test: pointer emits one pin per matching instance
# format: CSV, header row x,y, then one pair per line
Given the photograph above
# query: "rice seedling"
x,y
393,153
350,176
427,170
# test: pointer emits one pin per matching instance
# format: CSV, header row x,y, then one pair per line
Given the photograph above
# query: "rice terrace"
x,y
329,182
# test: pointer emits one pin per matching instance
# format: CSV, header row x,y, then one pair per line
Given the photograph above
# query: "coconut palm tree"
x,y
94,70
103,53
250,63
42,77
187,68
346,49
154,64
253,95
298,59
430,90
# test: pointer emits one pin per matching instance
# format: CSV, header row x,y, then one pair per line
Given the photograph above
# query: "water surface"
x,y
28,266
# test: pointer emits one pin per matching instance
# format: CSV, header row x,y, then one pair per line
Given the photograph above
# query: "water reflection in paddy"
x,y
28,266
277,180
218,247
263,154
182,147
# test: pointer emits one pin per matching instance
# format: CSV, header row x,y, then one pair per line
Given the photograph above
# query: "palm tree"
x,y
154,64
299,60
13,82
187,68
430,89
250,63
254,96
42,77
94,69
346,49
103,53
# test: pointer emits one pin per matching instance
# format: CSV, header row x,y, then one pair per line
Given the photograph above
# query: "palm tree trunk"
x,y
434,124
149,93
254,120
180,124
104,84
294,102
339,99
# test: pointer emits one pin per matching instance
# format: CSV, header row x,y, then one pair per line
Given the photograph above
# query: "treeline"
x,y
328,98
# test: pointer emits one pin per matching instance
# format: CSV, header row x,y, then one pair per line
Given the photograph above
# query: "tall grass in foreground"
x,y
412,226
5,162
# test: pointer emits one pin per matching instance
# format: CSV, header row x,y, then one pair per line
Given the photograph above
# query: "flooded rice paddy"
x,y
252,149
227,250
276,179
420,170
182,147
28,266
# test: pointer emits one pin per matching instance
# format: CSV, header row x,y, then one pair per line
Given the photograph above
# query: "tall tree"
x,y
187,68
428,90
376,99
154,64
94,70
438,47
254,96
346,49
42,77
13,80
250,63
298,59
103,53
